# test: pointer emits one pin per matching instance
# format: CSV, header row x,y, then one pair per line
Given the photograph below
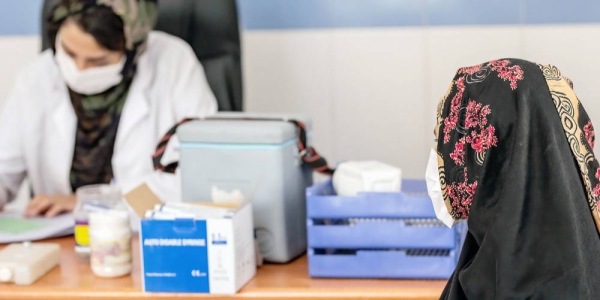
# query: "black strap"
x,y
308,154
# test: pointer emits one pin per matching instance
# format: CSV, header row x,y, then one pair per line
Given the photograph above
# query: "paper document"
x,y
15,225
15,228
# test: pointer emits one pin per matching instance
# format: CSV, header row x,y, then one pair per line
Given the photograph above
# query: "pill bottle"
x,y
110,243
97,197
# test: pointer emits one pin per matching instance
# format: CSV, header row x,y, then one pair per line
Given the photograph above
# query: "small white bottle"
x,y
96,197
110,243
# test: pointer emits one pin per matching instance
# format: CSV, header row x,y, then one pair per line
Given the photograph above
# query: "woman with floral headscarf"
x,y
91,109
514,156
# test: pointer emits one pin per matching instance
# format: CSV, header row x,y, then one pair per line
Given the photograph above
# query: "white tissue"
x,y
353,177
221,196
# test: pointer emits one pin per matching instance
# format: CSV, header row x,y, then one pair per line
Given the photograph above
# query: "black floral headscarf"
x,y
515,157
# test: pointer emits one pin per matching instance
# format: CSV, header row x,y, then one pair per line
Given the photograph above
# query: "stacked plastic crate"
x,y
379,235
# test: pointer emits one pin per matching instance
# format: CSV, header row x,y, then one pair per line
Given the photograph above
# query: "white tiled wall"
x,y
378,95
291,74
372,91
15,52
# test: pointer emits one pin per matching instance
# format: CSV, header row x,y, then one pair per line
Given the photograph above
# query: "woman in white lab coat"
x,y
92,109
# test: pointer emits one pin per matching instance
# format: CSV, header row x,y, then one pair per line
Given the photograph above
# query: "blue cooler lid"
x,y
241,131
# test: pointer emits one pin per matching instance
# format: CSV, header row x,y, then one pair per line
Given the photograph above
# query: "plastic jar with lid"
x,y
97,197
110,243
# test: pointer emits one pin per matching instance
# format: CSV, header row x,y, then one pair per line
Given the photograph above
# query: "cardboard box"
x,y
214,256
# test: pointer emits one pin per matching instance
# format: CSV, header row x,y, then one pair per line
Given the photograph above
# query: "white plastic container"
x,y
24,263
90,198
353,177
110,243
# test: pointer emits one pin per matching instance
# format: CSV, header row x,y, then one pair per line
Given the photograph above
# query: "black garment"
x,y
97,125
517,161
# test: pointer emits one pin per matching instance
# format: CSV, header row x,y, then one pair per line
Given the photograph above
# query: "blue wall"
x,y
22,17
290,14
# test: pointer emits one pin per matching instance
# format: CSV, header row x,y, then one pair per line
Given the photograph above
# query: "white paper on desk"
x,y
58,226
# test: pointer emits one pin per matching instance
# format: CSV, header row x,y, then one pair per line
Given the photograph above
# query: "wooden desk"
x,y
74,280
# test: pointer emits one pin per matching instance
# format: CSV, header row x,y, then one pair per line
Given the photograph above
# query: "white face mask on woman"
x,y
89,81
434,189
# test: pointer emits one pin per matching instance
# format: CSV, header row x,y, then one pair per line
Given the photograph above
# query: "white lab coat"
x,y
38,124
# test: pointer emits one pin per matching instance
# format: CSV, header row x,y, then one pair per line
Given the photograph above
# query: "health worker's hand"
x,y
50,206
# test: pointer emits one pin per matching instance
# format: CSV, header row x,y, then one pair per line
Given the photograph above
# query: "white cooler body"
x,y
260,159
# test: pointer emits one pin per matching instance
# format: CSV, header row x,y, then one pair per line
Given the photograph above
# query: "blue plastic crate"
x,y
379,235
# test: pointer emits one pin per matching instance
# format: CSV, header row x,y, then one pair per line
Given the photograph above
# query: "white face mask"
x,y
434,189
90,81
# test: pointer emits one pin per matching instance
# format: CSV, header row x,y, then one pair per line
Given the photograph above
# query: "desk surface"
x,y
74,280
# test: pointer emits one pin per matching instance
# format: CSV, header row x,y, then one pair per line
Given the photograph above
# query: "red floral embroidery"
x,y
589,134
476,131
483,140
476,114
512,73
459,152
469,70
505,72
596,190
452,120
461,196
480,139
